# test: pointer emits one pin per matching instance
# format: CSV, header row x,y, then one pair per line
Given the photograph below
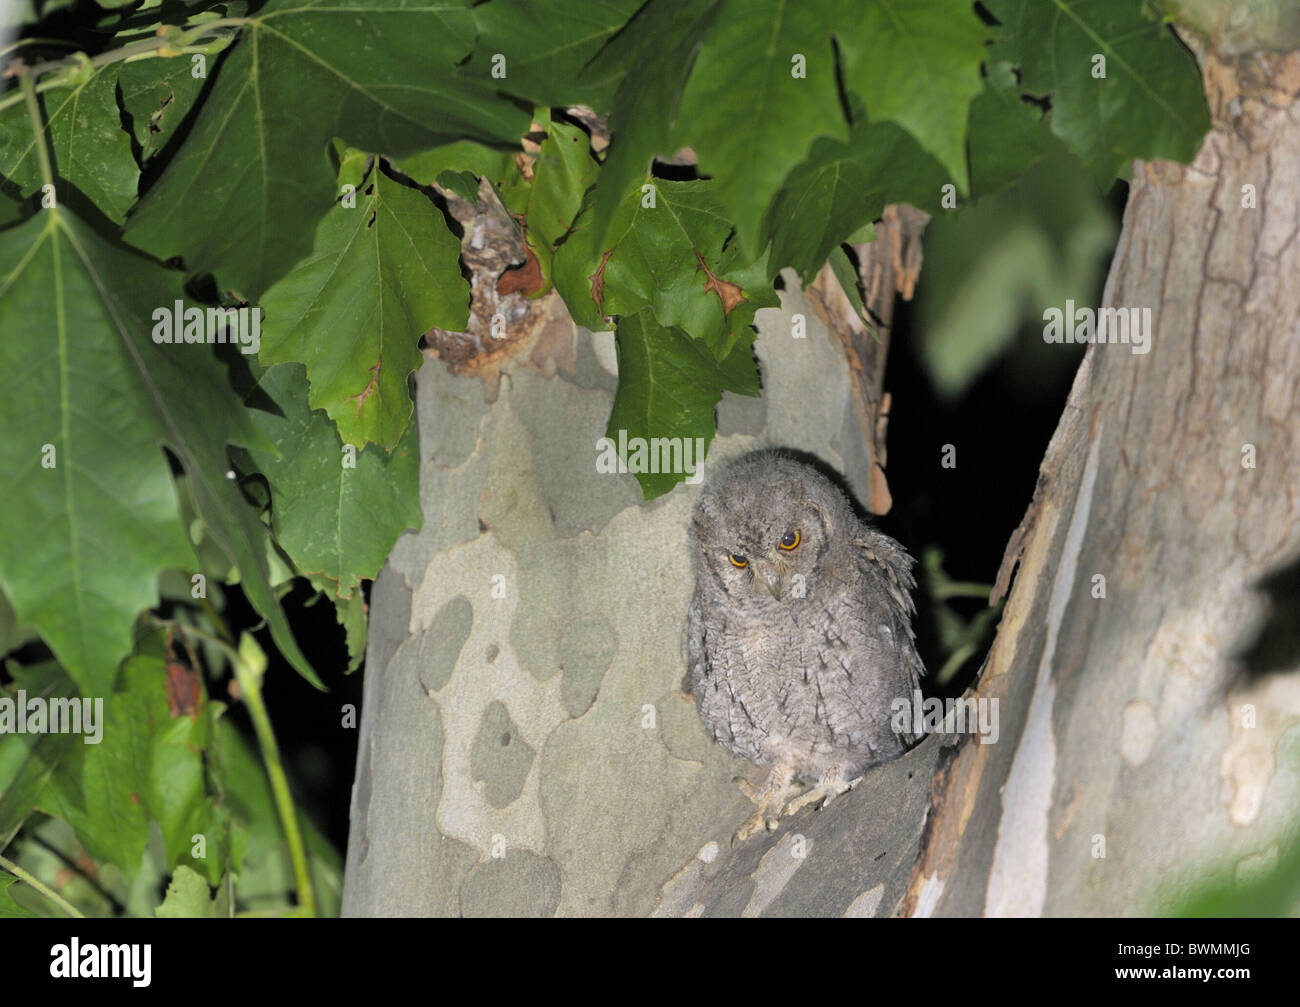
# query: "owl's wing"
x,y
887,568
697,653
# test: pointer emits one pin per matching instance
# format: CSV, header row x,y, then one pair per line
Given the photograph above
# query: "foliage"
x,y
280,157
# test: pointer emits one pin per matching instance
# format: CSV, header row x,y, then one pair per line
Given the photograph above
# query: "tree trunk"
x,y
1141,732
527,748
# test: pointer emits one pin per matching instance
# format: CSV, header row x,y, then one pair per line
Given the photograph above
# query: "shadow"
x,y
1276,643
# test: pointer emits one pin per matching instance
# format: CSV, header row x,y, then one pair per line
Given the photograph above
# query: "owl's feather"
x,y
802,681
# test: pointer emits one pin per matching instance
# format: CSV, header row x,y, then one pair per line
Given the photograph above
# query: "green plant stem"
x,y
41,887
955,660
28,88
216,641
216,620
250,687
46,85
12,46
61,71
959,590
148,45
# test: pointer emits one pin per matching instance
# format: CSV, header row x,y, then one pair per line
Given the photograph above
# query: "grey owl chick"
x,y
799,635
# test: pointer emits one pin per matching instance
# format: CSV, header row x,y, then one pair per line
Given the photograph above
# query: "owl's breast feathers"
x,y
810,682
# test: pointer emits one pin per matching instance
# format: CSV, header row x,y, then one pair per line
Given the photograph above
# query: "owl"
x,y
799,634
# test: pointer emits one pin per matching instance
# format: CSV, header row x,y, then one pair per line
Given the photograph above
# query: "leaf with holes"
x,y
1150,102
87,404
336,522
676,257
90,153
243,194
157,95
381,274
1007,137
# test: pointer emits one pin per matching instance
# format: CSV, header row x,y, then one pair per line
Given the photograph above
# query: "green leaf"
x,y
1006,134
336,522
89,152
157,94
242,196
89,392
9,909
548,203
27,760
86,537
562,172
746,114
351,614
463,183
189,897
12,633
668,387
656,52
147,766
544,44
675,258
1150,104
842,186
847,275
463,156
916,63
380,275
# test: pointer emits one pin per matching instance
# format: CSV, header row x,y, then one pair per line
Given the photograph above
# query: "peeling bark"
x,y
1124,717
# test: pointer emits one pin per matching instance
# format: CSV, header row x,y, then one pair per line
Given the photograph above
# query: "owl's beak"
x,y
765,573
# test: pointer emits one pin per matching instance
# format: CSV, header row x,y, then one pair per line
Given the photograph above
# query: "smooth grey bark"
x,y
526,746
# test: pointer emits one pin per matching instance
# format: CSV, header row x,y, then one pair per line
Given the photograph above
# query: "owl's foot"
x,y
770,798
830,786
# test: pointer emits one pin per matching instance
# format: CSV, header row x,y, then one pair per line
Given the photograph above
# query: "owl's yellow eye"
x,y
790,540
739,561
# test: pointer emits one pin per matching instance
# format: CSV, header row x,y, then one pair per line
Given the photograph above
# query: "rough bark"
x,y
1143,733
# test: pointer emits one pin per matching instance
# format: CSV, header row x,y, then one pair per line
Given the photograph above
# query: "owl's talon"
x,y
748,789
831,786
759,821
770,798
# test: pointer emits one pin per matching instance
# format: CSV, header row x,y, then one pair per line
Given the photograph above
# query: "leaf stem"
x,y
164,45
250,665
41,887
38,130
49,84
65,72
956,589
36,41
248,675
